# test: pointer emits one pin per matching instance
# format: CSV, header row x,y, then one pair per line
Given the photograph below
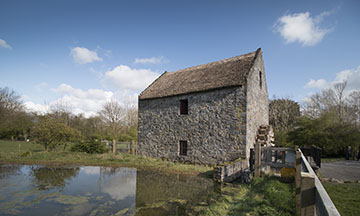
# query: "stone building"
x,y
206,114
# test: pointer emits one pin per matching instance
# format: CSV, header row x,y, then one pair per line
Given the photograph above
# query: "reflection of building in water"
x,y
169,191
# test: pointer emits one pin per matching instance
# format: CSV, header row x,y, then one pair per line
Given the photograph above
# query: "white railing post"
x,y
298,178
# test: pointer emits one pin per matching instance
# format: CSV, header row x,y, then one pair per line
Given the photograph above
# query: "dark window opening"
x,y
183,148
184,107
260,79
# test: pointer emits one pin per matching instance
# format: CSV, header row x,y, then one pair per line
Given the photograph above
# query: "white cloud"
x,y
87,102
321,83
125,78
302,28
40,108
82,55
4,44
352,76
152,60
97,94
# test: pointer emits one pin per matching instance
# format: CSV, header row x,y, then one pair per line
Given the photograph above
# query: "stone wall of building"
x,y
257,110
215,127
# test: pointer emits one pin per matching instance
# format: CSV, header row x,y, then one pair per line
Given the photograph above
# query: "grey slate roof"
x,y
219,74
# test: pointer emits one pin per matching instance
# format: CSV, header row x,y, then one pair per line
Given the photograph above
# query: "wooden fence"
x,y
124,147
311,197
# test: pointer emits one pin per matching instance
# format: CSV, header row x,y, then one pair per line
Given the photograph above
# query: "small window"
x,y
183,148
184,107
260,79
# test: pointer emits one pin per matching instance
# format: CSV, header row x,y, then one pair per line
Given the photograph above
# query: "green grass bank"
x,y
32,153
345,197
264,196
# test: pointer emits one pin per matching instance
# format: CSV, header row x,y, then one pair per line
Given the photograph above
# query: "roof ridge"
x,y
228,72
214,62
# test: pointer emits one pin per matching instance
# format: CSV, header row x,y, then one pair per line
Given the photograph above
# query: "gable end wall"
x,y
257,103
214,128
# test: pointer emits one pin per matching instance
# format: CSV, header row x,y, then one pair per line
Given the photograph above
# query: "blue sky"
x,y
83,53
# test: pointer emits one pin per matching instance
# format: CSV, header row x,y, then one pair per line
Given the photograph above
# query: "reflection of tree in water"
x,y
47,178
9,170
123,171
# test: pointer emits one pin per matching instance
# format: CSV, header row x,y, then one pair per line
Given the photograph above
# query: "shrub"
x,y
89,147
25,154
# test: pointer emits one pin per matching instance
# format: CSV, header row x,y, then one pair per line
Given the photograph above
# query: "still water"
x,y
90,190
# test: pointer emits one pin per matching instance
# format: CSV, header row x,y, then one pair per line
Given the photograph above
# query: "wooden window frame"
x,y
260,79
184,107
183,147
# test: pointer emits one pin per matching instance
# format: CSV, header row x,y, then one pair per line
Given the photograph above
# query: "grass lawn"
x,y
264,196
19,146
346,197
330,160
32,153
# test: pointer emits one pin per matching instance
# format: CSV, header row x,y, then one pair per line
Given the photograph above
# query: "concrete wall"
x,y
215,127
257,110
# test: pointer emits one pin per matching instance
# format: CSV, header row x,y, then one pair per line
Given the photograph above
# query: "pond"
x,y
91,190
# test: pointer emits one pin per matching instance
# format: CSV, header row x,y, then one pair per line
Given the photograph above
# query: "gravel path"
x,y
347,170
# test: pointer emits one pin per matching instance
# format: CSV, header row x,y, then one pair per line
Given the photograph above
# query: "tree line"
x,y
59,126
329,119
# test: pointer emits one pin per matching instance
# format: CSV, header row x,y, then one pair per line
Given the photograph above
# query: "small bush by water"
x,y
89,147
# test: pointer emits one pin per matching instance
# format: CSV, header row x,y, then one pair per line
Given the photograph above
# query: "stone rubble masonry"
x,y
214,128
230,172
221,125
257,109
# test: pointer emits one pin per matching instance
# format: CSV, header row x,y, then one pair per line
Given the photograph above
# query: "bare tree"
x,y
112,114
10,102
61,111
353,102
131,116
339,89
12,112
328,100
